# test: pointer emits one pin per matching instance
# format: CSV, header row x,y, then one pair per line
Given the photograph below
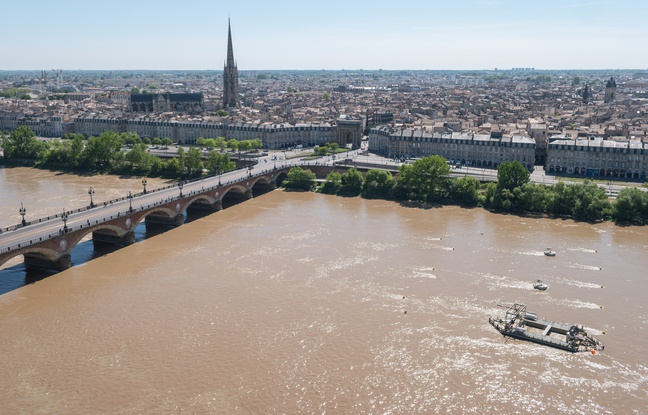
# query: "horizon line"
x,y
516,69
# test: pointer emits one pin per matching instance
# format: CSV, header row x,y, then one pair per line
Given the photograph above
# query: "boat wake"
x,y
587,267
421,274
589,251
580,284
580,304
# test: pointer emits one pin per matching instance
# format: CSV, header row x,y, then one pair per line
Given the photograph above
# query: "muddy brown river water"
x,y
301,303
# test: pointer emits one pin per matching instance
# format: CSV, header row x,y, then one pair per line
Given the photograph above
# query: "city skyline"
x,y
419,35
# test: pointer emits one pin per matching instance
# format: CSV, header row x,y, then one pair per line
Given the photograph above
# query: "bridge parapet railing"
x,y
111,201
71,229
82,209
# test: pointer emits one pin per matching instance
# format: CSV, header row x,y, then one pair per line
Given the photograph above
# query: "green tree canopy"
x,y
377,184
174,168
332,184
140,159
511,174
631,206
424,179
300,179
182,159
221,143
219,162
351,183
131,138
465,190
23,144
210,143
102,151
582,201
244,145
194,162
320,150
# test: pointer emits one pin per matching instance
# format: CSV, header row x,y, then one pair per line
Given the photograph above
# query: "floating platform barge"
x,y
519,324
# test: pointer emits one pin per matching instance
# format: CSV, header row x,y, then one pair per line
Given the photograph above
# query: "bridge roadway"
x,y
48,242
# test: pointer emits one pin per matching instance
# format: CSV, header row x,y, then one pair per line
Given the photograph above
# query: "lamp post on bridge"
x,y
218,169
91,193
250,171
130,201
144,182
64,218
22,212
180,185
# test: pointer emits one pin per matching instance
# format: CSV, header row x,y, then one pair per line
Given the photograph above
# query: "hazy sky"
x,y
331,34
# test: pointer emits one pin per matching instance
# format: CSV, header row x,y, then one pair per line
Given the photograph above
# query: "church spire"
x,y
230,75
230,49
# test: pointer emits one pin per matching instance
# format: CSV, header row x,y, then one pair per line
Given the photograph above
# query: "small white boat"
x,y
539,285
549,252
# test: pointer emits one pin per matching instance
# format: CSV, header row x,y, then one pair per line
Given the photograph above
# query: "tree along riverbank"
x,y
115,153
425,181
428,181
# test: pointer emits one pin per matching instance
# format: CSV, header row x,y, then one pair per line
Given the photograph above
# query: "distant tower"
x,y
230,75
586,94
610,91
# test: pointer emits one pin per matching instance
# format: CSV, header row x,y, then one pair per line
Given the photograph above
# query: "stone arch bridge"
x,y
48,242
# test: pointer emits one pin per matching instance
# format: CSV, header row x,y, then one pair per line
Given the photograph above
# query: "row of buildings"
x,y
345,131
585,156
477,150
572,122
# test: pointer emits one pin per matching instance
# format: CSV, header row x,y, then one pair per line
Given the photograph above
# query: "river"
x,y
303,303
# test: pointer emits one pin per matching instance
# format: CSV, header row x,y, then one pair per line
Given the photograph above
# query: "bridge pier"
x,y
272,185
110,238
36,261
204,205
164,220
248,194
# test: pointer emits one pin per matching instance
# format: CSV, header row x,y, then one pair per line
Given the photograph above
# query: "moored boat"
x,y
539,285
519,324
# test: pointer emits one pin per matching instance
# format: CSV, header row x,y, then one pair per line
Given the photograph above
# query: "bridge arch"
x,y
48,255
54,251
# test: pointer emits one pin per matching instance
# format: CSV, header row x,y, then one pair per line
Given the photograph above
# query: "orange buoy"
x,y
593,351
